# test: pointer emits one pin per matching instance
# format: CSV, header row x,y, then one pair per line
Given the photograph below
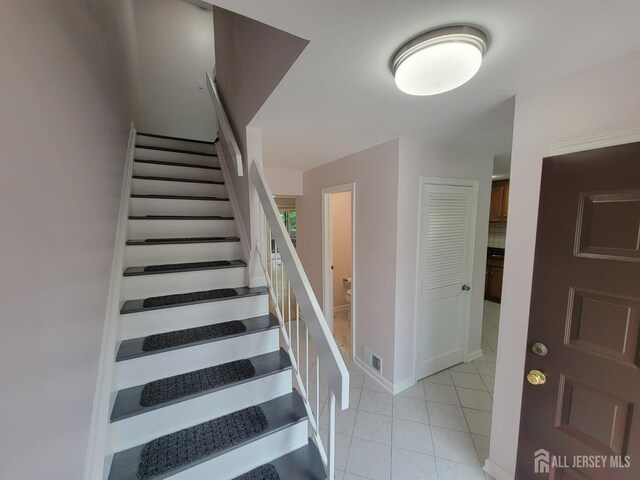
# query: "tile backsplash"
x,y
497,235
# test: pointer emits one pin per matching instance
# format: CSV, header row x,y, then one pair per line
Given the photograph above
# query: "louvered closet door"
x,y
446,239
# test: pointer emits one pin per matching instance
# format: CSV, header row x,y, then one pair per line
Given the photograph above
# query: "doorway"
x,y
446,244
339,284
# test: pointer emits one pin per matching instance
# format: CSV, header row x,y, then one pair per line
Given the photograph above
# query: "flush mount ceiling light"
x,y
439,60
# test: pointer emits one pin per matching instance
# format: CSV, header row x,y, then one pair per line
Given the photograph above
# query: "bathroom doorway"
x,y
339,284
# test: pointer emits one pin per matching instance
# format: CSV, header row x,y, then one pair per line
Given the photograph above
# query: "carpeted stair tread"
x,y
304,463
178,298
191,383
159,196
167,455
180,139
263,472
183,338
189,445
175,179
179,217
127,403
177,164
176,150
183,266
181,299
177,338
172,240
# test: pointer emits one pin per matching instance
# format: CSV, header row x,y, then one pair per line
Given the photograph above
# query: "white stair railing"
x,y
320,373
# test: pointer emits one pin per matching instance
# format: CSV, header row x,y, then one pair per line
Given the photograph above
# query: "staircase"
x,y
203,389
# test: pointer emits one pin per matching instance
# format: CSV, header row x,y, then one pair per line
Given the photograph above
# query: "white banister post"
x,y
331,440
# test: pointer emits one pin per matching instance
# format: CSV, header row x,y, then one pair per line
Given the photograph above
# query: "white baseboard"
x,y
473,355
384,383
403,385
494,471
95,466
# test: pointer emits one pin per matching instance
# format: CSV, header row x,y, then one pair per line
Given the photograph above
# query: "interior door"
x,y
446,239
585,310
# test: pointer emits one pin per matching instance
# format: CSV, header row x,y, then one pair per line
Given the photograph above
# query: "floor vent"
x,y
372,359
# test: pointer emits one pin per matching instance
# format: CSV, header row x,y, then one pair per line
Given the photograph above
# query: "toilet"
x,y
347,294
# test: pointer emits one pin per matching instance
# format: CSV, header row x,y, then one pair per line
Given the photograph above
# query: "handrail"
x,y
333,364
225,126
273,241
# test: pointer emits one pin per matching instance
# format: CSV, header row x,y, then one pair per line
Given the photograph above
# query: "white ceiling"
x,y
340,96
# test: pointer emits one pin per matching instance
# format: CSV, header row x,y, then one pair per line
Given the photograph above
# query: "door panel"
x,y
445,240
585,307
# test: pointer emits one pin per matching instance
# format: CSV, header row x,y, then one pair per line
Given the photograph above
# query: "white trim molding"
x,y
95,466
471,356
327,275
596,141
475,185
383,382
494,471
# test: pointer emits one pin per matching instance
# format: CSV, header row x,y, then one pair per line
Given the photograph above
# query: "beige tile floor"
x,y
342,331
436,430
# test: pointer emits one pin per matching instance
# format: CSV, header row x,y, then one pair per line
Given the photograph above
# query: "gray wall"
x,y
64,124
251,59
174,50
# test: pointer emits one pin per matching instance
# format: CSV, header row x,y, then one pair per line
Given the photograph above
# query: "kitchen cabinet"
x,y
499,201
493,279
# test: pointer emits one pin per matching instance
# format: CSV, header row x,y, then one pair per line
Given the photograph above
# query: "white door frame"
x,y
473,224
327,274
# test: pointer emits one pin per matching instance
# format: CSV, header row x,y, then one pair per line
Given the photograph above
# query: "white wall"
x,y
375,173
284,182
387,181
341,243
598,100
418,159
64,124
175,50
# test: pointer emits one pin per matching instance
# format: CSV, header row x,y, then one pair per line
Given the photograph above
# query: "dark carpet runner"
x,y
187,336
186,266
178,298
182,448
191,383
264,472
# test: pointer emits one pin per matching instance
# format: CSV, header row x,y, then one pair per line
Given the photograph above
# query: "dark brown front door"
x,y
585,308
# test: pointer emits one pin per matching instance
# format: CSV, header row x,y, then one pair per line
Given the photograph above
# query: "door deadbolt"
x,y
539,349
536,377
466,288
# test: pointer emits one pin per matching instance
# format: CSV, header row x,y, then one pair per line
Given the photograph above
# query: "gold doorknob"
x,y
536,377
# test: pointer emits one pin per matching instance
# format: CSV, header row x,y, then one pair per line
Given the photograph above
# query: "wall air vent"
x,y
373,360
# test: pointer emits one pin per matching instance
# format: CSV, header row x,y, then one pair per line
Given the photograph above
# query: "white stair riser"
x,y
166,206
141,370
250,456
141,286
156,170
143,140
162,187
142,255
180,228
134,325
150,154
143,428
